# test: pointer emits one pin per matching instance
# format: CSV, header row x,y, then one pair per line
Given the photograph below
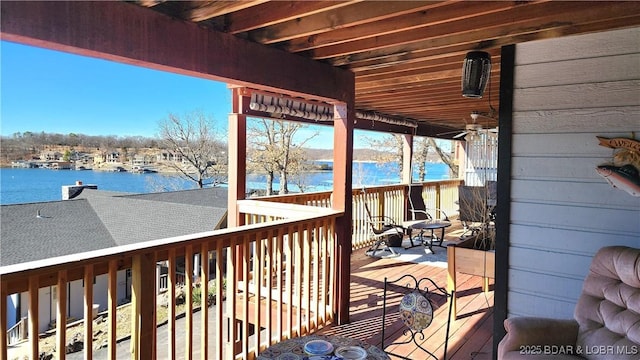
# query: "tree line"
x,y
274,147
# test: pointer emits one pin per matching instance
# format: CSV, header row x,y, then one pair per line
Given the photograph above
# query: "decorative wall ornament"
x,y
623,173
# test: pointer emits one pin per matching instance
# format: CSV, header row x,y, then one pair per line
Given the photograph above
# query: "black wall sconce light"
x,y
476,70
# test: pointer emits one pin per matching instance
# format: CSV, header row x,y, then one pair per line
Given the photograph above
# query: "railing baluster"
x,y
61,315
112,305
257,286
88,312
234,275
316,236
171,311
324,254
279,288
307,234
246,265
289,282
188,284
268,281
204,300
219,273
331,246
297,282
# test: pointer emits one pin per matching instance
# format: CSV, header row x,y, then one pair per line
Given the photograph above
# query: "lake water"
x,y
37,185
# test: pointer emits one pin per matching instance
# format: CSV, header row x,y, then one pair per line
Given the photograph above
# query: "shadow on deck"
x,y
470,334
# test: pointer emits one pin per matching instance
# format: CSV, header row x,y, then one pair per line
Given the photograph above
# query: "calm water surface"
x,y
37,185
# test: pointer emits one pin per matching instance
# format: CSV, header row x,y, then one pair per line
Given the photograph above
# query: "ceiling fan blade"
x,y
448,132
462,134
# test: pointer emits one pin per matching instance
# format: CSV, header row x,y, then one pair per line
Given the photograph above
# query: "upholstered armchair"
x,y
607,317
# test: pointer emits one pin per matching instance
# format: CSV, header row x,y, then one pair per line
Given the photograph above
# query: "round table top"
x,y
292,349
426,224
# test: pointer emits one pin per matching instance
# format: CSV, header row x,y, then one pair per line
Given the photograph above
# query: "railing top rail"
x,y
292,195
287,210
442,182
356,189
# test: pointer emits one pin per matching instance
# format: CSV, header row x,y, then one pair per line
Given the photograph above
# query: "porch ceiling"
x,y
406,55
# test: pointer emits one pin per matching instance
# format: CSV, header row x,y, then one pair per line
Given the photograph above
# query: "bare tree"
x,y
274,150
193,139
446,158
420,156
390,150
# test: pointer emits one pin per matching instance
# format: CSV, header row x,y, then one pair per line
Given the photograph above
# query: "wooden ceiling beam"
x,y
407,22
401,80
449,107
206,10
526,19
276,12
444,30
149,3
131,34
351,15
425,50
452,68
413,82
424,65
380,59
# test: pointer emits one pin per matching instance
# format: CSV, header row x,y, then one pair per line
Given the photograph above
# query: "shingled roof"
x,y
98,219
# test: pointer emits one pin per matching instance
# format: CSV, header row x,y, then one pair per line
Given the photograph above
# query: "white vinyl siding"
x,y
567,91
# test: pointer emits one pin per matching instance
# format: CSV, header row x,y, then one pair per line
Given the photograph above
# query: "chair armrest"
x,y
383,225
446,218
384,220
428,214
524,334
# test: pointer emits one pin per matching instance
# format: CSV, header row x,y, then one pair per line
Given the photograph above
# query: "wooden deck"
x,y
470,334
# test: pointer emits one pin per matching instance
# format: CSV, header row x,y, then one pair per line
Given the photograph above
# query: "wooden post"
x,y
237,159
143,306
3,321
407,159
407,170
61,315
237,167
342,200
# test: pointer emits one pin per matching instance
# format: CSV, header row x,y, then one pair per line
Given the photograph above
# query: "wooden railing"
x,y
386,201
442,195
382,200
268,285
279,277
17,332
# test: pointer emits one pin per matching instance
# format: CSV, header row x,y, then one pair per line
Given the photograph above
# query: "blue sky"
x,y
56,92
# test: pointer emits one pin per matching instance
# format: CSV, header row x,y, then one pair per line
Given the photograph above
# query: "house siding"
x,y
567,91
48,300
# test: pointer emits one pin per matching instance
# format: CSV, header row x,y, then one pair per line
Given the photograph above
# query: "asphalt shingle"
x,y
97,220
